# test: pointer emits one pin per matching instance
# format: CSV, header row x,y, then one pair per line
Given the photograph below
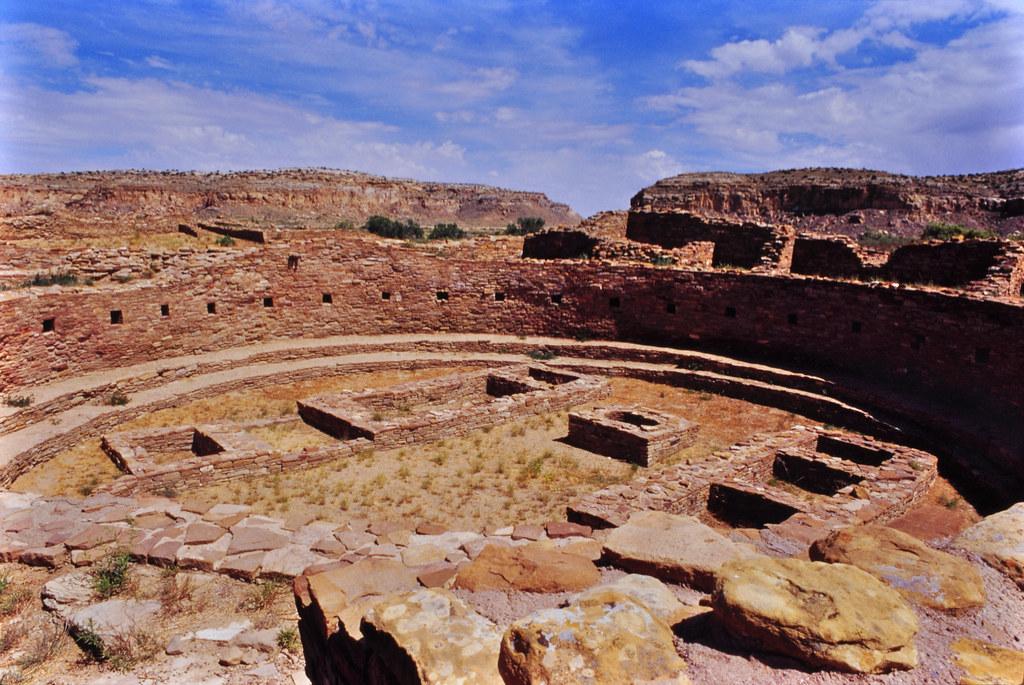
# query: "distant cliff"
x,y
95,203
847,201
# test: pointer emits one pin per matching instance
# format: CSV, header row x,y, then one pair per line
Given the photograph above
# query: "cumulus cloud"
x,y
951,107
53,46
153,123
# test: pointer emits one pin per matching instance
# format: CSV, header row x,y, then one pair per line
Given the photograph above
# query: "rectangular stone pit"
x,y
134,452
440,408
634,434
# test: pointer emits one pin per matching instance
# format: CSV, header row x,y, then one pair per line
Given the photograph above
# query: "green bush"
x,y
225,241
53,278
446,232
19,401
390,228
525,225
111,574
941,231
117,399
288,639
882,239
344,225
542,355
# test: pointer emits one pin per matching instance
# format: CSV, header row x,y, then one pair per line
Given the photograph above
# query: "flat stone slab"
x,y
531,568
606,637
201,533
987,664
433,634
255,539
921,574
113,617
344,594
671,547
832,616
999,540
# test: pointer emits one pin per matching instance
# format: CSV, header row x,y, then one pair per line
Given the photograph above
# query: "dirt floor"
x,y
520,471
516,472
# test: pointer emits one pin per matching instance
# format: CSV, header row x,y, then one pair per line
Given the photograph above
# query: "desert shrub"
x,y
117,399
662,260
19,401
542,355
110,575
288,639
941,231
12,598
525,225
52,278
882,239
262,596
446,232
344,225
391,228
225,241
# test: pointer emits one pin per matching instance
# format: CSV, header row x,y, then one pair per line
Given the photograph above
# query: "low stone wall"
x,y
782,484
634,434
448,407
746,244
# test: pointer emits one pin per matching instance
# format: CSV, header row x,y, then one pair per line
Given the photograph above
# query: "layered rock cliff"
x,y
93,203
847,201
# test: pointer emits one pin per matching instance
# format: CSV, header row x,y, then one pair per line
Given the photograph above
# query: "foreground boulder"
x,y
999,540
987,664
649,592
671,547
606,638
828,615
430,636
529,568
921,574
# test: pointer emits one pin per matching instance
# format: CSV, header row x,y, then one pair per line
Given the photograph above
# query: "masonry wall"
x,y
949,264
916,342
747,245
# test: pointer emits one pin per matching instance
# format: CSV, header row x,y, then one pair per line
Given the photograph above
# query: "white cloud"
x,y
885,23
953,107
159,63
52,46
483,83
159,124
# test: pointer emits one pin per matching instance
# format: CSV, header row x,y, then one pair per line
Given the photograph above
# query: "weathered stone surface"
x,y
289,561
676,548
437,576
999,540
245,566
114,617
93,536
344,594
645,590
565,529
920,573
255,539
202,533
51,557
422,555
987,664
63,593
431,636
205,557
223,634
527,531
828,615
606,638
531,568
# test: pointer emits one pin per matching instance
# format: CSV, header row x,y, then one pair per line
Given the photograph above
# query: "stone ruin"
x,y
436,409
913,360
635,434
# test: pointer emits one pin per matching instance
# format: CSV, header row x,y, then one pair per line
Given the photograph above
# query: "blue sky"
x,y
587,101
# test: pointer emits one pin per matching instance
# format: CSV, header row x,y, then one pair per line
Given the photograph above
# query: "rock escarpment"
x,y
844,201
106,203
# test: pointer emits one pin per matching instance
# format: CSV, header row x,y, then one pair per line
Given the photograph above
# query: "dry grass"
x,y
514,472
77,471
519,471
